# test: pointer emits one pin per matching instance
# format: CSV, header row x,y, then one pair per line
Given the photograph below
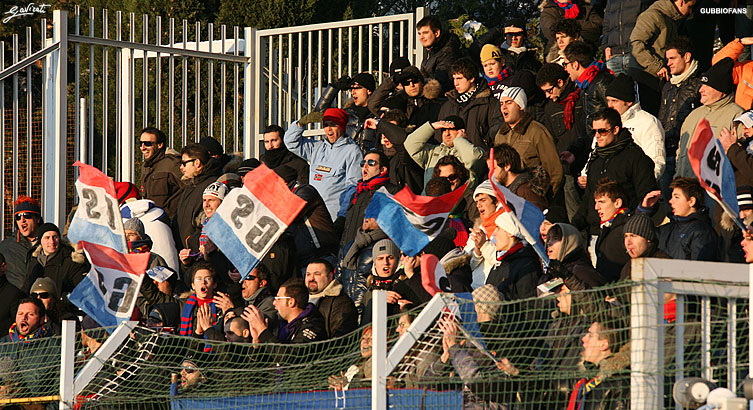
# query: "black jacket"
x,y
517,274
312,230
610,249
527,60
364,137
554,115
677,101
403,169
288,158
440,57
306,329
161,180
579,264
10,295
356,212
66,268
690,238
595,95
588,19
17,251
481,114
419,109
629,167
340,314
191,201
619,20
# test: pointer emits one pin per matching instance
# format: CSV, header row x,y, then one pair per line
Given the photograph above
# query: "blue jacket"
x,y
333,167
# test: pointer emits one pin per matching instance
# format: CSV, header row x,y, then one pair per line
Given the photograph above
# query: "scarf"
x,y
581,389
461,238
502,75
43,258
569,103
273,158
570,8
613,148
608,222
186,316
490,224
372,184
43,331
463,98
142,246
585,78
503,254
677,79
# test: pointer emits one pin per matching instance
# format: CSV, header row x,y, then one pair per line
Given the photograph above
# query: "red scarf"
x,y
518,246
593,69
372,184
569,103
571,9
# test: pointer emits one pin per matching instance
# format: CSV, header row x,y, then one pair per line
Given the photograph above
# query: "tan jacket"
x,y
535,146
654,28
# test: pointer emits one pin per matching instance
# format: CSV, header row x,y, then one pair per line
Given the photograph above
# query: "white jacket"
x,y
648,134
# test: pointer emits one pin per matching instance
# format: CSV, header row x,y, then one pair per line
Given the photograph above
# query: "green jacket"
x,y
654,28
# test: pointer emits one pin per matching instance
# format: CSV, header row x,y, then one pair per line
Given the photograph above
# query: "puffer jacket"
x,y
67,267
440,57
339,311
648,134
690,238
481,114
420,109
590,23
191,202
654,28
161,180
535,145
742,73
677,101
619,19
720,114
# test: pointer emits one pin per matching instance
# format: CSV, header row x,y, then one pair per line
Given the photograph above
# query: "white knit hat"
x,y
505,222
484,188
517,94
216,189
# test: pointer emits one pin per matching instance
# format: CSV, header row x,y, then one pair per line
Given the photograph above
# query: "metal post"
x,y
67,358
249,98
417,47
750,319
54,140
646,331
126,115
379,350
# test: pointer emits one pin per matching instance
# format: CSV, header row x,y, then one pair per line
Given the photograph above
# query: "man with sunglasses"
x,y
361,87
18,248
256,292
160,171
420,99
618,158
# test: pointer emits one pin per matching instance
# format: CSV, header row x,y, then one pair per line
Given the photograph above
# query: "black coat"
x,y
440,57
161,180
481,114
517,274
403,169
191,202
629,167
527,60
340,314
312,230
66,268
419,109
17,251
554,115
619,20
294,161
356,212
10,295
310,328
579,264
611,255
588,20
677,101
690,238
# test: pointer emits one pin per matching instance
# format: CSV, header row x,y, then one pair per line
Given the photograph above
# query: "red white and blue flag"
x,y
527,215
108,292
410,220
251,219
97,218
713,169
433,275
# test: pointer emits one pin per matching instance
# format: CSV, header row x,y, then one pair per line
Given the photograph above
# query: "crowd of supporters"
x,y
594,130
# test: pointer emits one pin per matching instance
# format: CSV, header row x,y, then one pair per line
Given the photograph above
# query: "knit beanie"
x,y
365,80
135,224
125,191
231,180
212,145
247,166
47,227
719,76
745,197
622,88
517,94
484,188
505,222
489,51
216,189
412,73
385,247
643,226
398,64
26,204
556,214
45,285
336,115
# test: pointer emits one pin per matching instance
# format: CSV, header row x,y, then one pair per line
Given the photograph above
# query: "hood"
x,y
571,240
630,113
454,259
432,89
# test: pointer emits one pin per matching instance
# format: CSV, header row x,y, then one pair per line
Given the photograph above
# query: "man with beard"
x,y
160,171
339,311
277,154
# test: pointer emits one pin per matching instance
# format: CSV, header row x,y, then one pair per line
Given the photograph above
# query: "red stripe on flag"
x,y
109,258
272,191
701,139
429,205
89,175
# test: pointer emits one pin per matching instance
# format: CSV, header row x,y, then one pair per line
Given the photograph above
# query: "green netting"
x,y
520,354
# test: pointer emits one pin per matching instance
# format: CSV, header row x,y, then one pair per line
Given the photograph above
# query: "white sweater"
x,y
648,134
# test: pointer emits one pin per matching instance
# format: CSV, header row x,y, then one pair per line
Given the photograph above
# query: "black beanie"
x,y
642,226
47,227
719,76
556,214
365,80
622,88
248,166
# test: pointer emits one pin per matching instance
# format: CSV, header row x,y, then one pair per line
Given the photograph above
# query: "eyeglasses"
x,y
189,369
549,90
183,163
207,279
148,143
602,131
250,278
282,297
41,295
452,177
409,81
24,215
371,162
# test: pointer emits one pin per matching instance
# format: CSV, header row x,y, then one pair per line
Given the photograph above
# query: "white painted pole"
x,y
379,350
126,116
67,358
54,140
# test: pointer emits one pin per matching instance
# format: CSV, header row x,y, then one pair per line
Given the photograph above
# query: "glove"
x,y
342,83
313,116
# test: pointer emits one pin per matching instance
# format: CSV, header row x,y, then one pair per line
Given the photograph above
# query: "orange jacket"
x,y
742,73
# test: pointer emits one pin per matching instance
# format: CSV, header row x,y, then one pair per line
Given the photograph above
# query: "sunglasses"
x,y
409,81
24,215
41,295
250,277
183,163
189,370
356,87
452,177
602,131
371,162
147,143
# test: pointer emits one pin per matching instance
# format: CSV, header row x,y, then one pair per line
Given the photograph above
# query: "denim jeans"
x,y
619,64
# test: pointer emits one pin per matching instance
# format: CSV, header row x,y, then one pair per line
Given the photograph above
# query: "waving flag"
x,y
251,219
713,169
97,218
108,293
410,220
433,276
527,215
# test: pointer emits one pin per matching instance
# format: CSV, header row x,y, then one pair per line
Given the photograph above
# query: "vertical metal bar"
x,y
329,62
289,97
371,47
391,35
320,53
91,90
210,86
83,147
381,48
67,361
145,71
77,107
309,74
379,355
679,339
259,53
197,81
417,56
29,112
223,107
104,93
53,146
249,86
299,79
339,70
15,121
732,343
350,51
270,82
279,79
158,79
184,89
706,370
118,96
360,49
236,85
402,46
171,101
2,138
646,335
129,112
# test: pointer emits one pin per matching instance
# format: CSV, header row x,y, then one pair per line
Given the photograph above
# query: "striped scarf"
x,y
608,222
571,9
581,389
593,69
502,75
43,331
187,315
372,184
